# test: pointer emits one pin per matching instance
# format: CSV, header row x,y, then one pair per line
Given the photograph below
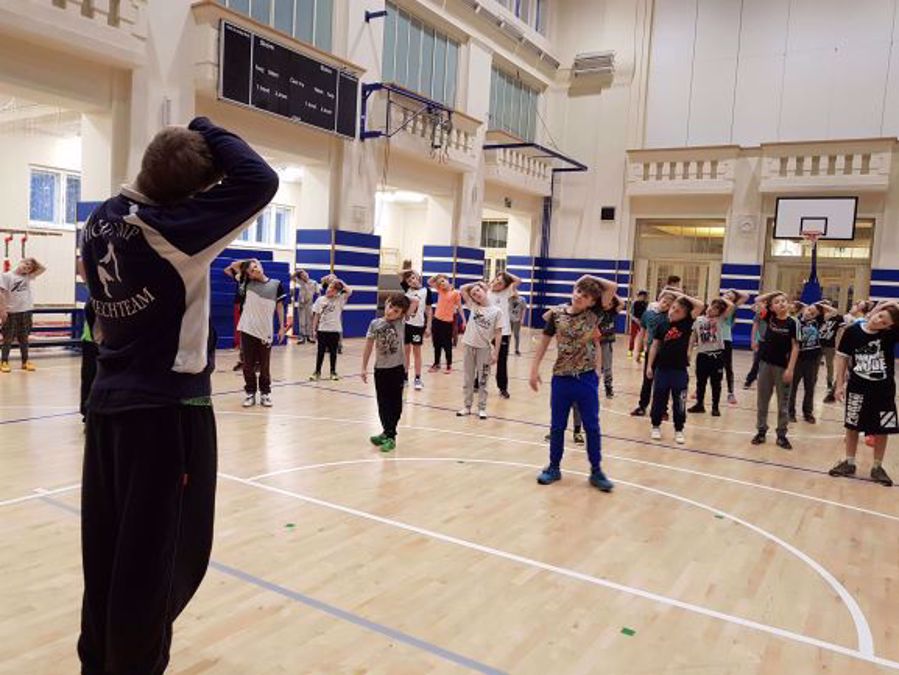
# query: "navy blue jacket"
x,y
148,271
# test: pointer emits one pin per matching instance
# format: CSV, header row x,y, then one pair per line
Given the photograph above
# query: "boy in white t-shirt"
x,y
481,343
503,286
264,297
327,324
16,306
418,324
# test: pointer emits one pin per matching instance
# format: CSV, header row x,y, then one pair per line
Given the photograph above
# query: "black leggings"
x,y
502,364
327,342
709,367
729,365
442,336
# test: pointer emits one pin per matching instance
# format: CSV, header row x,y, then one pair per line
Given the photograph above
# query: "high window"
x,y
306,20
419,57
513,105
53,196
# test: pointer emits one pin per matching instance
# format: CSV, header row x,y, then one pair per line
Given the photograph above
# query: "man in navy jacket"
x,y
150,452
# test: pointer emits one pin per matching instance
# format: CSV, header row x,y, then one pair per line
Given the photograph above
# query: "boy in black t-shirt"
x,y
865,380
778,353
830,327
809,362
667,365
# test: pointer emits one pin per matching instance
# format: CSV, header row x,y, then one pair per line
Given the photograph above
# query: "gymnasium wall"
x,y
753,71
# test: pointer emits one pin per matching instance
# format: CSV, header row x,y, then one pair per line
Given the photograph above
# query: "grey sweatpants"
x,y
476,365
606,348
771,379
304,314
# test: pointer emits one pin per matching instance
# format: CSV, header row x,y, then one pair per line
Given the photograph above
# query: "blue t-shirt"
x,y
651,320
727,327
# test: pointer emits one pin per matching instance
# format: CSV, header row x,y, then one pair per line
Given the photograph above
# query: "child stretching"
x,y
518,309
264,297
327,324
607,316
634,314
736,298
385,338
575,379
865,380
305,292
443,317
667,365
418,325
809,363
778,353
16,306
708,339
655,315
501,290
481,341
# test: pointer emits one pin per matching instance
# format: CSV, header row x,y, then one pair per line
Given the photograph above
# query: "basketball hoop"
x,y
811,237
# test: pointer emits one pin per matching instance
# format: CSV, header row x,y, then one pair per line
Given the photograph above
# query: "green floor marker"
x,y
290,525
719,517
628,631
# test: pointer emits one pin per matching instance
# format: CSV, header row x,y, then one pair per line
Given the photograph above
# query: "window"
x,y
513,105
531,12
271,228
53,197
306,20
419,57
494,233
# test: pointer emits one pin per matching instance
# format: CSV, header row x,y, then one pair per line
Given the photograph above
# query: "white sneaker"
x,y
418,384
249,401
266,400
656,434
482,414
679,437
465,412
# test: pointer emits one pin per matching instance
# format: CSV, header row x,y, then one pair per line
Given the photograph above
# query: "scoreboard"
x,y
262,74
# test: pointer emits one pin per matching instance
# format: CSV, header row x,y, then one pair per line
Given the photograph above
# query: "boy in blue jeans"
x,y
575,379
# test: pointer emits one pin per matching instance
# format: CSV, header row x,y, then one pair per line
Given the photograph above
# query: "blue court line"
x,y
362,622
331,610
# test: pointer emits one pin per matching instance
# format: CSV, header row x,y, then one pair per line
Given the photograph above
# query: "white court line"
x,y
38,493
859,654
669,467
863,630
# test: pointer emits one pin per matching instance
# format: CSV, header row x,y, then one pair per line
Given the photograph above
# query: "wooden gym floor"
x,y
447,557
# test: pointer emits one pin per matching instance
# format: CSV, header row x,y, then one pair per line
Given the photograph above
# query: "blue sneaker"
x,y
598,480
549,475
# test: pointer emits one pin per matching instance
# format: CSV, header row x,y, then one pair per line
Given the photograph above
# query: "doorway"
x,y
696,278
842,284
689,249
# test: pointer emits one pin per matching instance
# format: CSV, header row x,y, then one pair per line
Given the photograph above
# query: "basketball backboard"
x,y
833,217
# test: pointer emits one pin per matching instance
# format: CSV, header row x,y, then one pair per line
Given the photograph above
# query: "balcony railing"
x,y
126,15
859,165
696,170
518,169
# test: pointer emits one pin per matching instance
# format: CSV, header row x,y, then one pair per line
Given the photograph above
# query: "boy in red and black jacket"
x,y
148,488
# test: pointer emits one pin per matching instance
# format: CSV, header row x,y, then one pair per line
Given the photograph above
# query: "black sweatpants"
x,y
806,374
442,337
256,357
709,367
389,390
329,342
89,353
147,509
729,365
502,364
646,388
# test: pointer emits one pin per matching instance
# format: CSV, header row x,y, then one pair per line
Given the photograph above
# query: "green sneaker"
x,y
388,445
378,440
335,377
315,377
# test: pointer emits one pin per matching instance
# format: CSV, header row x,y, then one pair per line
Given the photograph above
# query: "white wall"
x,y
57,252
409,227
753,71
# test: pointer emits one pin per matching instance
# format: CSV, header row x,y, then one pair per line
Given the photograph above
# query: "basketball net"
x,y
811,292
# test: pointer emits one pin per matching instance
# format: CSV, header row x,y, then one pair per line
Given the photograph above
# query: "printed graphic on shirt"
x,y
388,337
870,361
574,337
809,336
